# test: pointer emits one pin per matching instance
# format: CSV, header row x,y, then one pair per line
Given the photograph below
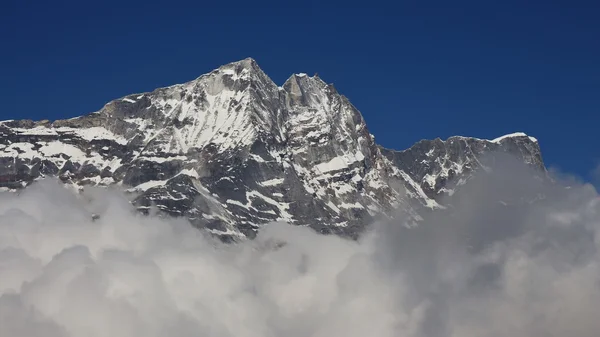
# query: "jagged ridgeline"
x,y
232,150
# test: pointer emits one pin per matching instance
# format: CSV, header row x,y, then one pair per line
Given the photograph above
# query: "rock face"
x,y
231,151
440,167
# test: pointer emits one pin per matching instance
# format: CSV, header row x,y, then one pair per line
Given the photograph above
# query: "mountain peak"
x,y
301,87
247,63
247,60
303,77
245,69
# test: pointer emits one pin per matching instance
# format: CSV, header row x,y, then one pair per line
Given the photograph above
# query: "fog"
x,y
514,256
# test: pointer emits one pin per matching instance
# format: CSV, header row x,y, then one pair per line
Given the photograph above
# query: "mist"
x,y
514,255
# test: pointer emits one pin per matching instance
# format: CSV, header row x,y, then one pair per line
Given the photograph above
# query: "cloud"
x,y
515,256
596,175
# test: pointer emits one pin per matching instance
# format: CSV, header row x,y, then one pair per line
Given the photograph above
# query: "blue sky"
x,y
415,69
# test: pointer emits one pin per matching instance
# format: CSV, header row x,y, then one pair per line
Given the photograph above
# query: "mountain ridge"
x,y
231,150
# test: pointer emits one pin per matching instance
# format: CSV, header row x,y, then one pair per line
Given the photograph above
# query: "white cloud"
x,y
488,270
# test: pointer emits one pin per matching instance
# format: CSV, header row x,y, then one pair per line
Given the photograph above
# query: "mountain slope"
x,y
440,167
231,151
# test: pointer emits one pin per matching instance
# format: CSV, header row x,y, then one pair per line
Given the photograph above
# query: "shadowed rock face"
x,y
231,151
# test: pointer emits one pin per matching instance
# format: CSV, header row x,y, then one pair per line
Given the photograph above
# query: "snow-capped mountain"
x,y
231,151
440,167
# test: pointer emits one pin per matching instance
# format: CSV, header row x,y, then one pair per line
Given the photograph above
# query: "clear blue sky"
x,y
415,69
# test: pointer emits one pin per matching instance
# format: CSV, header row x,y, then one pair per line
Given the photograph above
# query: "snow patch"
x,y
162,159
339,163
56,148
513,135
95,133
190,172
148,185
333,207
284,215
272,182
352,205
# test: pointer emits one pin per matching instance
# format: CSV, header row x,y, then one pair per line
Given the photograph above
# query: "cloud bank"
x,y
515,256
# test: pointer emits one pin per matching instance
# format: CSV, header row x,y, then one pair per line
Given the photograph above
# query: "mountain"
x,y
231,151
440,167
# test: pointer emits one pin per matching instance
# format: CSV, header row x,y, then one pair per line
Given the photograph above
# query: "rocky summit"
x,y
232,151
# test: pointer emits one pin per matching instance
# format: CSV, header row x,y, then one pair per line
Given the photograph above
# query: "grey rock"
x,y
232,151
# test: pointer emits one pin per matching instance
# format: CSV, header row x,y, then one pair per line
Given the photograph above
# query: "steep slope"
x,y
231,151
